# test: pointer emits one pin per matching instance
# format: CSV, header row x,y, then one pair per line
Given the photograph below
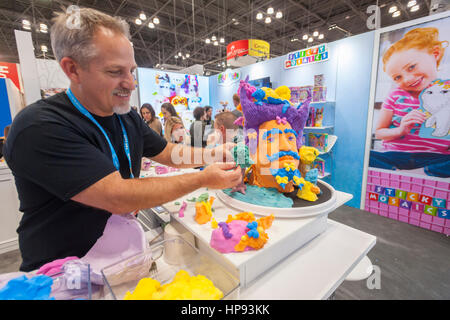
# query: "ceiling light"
x,y
180,54
396,14
310,39
316,33
216,43
151,25
44,48
26,22
155,20
207,41
279,15
392,9
411,3
176,56
142,16
305,37
321,36
218,64
187,55
222,40
236,23
213,38
415,8
43,28
270,10
259,16
138,21
184,58
157,65
333,26
268,20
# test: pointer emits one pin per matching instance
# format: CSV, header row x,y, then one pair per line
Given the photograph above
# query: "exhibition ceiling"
x,y
172,34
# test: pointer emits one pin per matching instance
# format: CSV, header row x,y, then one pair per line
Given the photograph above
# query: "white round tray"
x,y
302,212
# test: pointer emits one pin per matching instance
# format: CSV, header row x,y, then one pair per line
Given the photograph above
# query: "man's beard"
x,y
122,109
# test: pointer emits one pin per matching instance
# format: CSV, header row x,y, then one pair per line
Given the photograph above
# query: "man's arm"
x,y
118,195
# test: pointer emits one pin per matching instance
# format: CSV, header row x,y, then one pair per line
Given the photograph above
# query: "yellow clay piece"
x,y
306,192
182,287
214,224
308,154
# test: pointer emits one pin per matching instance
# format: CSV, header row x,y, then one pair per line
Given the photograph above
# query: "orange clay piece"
x,y
252,242
203,212
245,216
265,222
256,243
315,189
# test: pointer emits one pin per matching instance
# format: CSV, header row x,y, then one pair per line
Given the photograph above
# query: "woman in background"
x,y
175,132
168,111
149,116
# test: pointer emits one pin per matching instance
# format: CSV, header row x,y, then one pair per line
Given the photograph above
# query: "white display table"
x,y
313,271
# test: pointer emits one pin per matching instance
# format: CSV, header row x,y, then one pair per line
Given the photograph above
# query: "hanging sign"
x,y
228,77
307,56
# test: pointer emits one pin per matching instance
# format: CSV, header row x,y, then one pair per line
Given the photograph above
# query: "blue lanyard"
x,y
126,145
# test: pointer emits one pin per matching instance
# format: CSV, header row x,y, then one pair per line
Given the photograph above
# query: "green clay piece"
x,y
177,203
203,197
241,155
192,200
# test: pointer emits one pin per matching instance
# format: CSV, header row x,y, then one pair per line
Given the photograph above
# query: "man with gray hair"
x,y
75,154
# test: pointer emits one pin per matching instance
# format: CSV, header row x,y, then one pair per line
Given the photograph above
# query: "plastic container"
x,y
125,275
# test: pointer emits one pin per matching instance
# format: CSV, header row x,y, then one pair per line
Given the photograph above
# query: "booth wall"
x,y
347,75
352,100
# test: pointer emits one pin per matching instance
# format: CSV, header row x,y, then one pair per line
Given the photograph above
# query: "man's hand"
x,y
216,176
223,152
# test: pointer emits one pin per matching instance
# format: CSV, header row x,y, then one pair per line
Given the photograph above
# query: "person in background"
x,y
208,116
175,131
149,116
197,129
209,123
224,129
236,102
3,141
168,110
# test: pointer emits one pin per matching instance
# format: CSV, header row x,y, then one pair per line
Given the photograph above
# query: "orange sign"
x,y
11,71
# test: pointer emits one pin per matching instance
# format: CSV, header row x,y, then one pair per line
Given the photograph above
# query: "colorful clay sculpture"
x,y
203,210
273,124
241,233
182,287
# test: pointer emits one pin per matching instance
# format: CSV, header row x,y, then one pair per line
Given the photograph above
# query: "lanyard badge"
x,y
126,145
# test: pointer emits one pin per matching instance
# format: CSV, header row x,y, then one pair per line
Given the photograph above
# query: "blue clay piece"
x,y
312,175
266,197
22,288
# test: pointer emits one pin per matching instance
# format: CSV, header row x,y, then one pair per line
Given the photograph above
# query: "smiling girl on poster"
x,y
412,63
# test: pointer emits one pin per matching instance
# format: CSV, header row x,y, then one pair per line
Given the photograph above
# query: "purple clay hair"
x,y
257,115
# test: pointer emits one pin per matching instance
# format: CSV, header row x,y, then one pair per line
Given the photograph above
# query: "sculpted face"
x,y
276,155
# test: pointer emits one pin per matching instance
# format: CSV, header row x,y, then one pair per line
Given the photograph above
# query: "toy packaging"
x,y
319,94
318,141
319,164
319,80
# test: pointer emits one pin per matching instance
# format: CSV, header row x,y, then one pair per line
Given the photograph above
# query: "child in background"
x,y
412,63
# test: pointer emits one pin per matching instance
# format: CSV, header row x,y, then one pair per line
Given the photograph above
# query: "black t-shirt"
x,y
55,152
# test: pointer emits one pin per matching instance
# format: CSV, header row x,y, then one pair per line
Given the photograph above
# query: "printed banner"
x,y
307,56
411,124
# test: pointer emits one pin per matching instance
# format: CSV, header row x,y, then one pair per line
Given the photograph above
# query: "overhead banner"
x,y
409,163
244,52
11,71
307,56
